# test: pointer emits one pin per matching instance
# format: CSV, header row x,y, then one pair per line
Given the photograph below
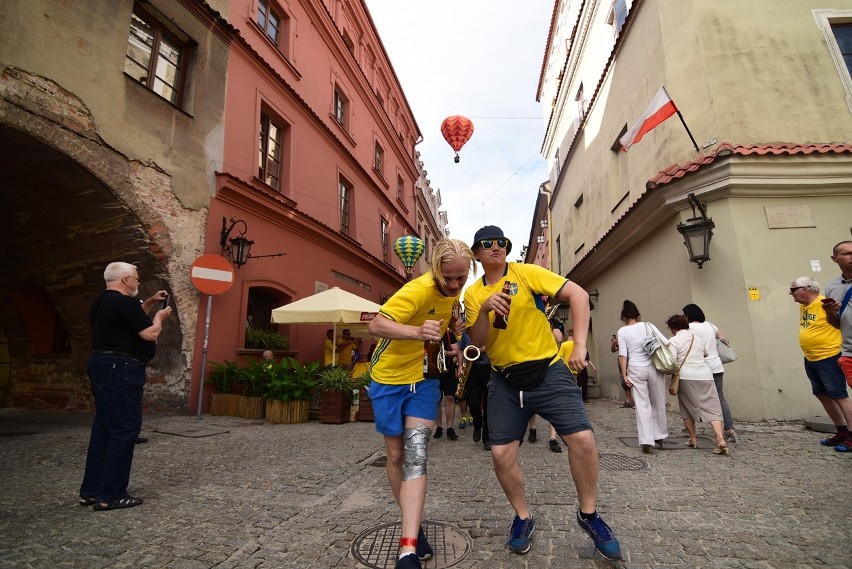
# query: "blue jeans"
x,y
117,384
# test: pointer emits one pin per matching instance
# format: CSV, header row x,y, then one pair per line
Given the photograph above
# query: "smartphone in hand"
x,y
165,301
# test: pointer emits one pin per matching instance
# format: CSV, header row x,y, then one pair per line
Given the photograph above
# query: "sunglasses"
x,y
489,243
792,290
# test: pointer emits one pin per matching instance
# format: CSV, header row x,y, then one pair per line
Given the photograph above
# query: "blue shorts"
x,y
827,378
392,403
558,400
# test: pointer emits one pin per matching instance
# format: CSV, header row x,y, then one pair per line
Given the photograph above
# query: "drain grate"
x,y
378,547
620,462
381,461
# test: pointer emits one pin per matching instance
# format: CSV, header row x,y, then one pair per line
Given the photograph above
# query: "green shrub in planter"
x,y
335,378
291,381
224,375
266,340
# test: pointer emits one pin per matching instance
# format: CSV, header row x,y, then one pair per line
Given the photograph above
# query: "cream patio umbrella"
x,y
333,306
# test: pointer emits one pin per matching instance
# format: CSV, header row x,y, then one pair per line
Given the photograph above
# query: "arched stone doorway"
x,y
71,205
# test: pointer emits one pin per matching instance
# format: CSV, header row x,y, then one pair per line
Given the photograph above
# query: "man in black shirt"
x,y
124,339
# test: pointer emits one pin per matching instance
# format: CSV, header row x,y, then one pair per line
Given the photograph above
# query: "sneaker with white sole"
x,y
424,550
409,561
601,535
520,534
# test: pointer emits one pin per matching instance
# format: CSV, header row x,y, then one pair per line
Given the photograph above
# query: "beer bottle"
x,y
430,358
501,321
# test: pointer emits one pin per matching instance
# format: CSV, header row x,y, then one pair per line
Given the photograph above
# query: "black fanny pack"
x,y
526,375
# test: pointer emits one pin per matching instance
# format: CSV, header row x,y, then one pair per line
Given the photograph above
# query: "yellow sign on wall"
x,y
753,293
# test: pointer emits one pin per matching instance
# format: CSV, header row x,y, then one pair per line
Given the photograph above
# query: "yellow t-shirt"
x,y
528,336
818,338
344,356
565,351
400,362
328,351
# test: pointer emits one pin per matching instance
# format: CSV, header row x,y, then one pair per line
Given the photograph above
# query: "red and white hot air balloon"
x,y
457,130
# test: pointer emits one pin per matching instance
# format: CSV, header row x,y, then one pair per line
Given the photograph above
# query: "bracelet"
x,y
408,542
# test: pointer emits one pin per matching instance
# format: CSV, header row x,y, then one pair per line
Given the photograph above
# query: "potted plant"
x,y
259,339
336,385
224,376
365,405
256,375
288,391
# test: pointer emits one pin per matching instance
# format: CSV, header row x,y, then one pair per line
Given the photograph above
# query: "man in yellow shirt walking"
x,y
820,343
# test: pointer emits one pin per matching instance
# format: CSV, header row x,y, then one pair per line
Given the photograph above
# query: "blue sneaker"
x,y
424,550
519,535
409,561
837,439
463,423
600,533
845,446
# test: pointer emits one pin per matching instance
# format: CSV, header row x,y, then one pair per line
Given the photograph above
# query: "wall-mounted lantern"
x,y
697,232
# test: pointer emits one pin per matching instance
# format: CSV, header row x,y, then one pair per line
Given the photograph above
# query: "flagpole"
x,y
680,116
683,122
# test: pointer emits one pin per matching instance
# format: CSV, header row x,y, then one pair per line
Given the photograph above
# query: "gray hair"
x,y
118,270
806,282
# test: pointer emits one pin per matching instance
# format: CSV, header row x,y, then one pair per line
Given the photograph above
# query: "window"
x,y
261,332
155,56
400,187
559,253
378,159
843,35
617,15
345,199
269,159
341,107
273,22
384,240
581,102
836,28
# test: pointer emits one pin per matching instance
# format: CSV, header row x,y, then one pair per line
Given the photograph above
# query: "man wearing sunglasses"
x,y
528,377
404,395
820,343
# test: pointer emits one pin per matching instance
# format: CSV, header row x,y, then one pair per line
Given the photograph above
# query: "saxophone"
x,y
469,355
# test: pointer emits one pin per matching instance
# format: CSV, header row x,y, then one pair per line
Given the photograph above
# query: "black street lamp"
x,y
697,232
239,249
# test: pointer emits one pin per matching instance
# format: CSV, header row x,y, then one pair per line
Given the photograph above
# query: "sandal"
x,y
86,501
721,448
117,504
692,443
627,405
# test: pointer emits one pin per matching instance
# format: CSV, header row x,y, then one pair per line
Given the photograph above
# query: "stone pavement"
x,y
263,495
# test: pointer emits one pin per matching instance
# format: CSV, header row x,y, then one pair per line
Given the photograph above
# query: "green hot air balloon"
x,y
408,248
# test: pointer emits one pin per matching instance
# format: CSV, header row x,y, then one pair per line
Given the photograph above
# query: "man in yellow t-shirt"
x,y
528,378
405,399
820,343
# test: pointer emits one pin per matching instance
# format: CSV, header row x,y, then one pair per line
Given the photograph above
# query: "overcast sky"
x,y
480,59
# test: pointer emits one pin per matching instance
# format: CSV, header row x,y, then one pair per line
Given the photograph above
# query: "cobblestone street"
x,y
261,495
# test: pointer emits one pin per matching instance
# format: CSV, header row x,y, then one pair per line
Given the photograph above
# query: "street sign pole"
x,y
212,275
204,354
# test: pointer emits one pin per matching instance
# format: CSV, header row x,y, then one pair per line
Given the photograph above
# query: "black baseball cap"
x,y
490,232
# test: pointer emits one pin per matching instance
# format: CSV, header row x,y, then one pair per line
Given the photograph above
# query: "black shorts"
x,y
449,383
557,400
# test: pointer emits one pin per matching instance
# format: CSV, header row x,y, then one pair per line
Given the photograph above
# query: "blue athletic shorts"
x,y
558,400
826,377
392,403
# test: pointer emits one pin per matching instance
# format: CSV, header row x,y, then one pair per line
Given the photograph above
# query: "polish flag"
x,y
661,108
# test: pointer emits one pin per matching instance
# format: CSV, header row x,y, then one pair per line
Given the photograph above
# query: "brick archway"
x,y
72,204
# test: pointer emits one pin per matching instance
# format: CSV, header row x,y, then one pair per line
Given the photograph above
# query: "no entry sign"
x,y
212,274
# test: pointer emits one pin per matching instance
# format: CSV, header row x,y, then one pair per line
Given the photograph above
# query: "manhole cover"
x,y
620,462
378,547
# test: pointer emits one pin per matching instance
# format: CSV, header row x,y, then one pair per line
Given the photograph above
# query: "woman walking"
x,y
696,394
708,333
647,383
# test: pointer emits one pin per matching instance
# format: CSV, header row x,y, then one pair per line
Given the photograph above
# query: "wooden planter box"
x,y
335,407
288,412
224,404
252,407
365,406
